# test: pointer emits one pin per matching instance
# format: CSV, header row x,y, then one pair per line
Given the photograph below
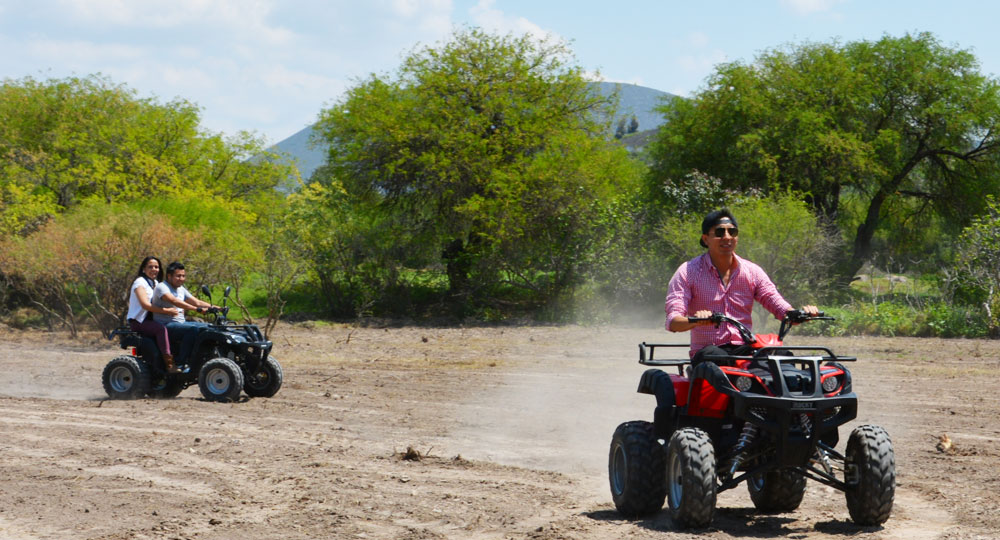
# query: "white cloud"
x,y
808,7
698,39
282,79
429,16
702,62
485,15
74,51
188,77
244,17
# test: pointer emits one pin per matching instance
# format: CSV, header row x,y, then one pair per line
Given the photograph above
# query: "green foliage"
x,y
977,263
898,318
63,142
905,127
481,158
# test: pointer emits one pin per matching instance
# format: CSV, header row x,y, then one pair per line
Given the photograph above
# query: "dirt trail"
x,y
512,426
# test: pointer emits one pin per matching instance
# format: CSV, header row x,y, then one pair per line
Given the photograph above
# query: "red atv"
x,y
770,417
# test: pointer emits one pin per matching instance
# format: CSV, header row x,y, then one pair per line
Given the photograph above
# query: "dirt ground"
x,y
511,426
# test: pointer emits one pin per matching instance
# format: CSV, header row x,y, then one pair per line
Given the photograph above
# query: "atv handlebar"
x,y
791,318
221,314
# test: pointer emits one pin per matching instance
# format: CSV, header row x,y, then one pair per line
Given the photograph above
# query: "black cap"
x,y
715,217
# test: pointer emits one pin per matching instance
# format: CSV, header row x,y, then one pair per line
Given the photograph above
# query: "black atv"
x,y
226,358
769,417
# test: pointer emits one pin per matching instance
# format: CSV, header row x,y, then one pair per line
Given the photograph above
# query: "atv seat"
x,y
145,346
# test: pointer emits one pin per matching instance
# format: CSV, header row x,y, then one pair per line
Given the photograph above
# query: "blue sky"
x,y
270,66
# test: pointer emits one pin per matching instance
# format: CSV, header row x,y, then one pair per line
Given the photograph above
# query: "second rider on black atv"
x,y
172,293
719,281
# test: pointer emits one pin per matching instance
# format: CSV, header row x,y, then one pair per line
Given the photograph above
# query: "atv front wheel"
x,y
871,461
266,381
637,470
777,491
691,486
125,377
220,379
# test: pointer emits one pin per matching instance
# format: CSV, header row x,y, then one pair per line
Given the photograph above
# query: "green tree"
x,y
485,155
620,129
977,263
65,141
872,132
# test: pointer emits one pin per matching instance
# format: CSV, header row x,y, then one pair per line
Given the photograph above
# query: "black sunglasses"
x,y
721,231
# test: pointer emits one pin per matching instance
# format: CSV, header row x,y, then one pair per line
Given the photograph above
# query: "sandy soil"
x,y
511,425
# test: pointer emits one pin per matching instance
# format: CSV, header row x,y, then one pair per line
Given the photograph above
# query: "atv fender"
x,y
657,383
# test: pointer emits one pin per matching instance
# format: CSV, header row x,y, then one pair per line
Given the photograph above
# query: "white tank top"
x,y
135,310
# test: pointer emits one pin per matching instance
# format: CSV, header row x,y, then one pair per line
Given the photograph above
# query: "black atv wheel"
x,y
691,485
777,491
871,459
220,379
266,381
165,388
637,470
126,377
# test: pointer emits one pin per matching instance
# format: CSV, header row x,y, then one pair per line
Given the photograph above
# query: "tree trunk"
x,y
866,231
457,264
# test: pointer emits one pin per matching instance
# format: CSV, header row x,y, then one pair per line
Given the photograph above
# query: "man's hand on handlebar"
x,y
702,318
796,316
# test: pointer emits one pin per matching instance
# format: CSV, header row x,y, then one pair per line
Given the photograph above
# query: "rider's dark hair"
x,y
711,220
173,267
159,275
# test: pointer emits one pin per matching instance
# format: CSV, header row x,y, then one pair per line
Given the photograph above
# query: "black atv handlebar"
x,y
791,318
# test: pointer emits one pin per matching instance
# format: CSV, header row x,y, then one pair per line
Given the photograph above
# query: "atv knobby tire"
x,y
266,381
777,491
125,377
637,470
869,452
220,379
691,485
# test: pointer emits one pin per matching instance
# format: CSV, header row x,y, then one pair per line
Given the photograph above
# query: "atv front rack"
x,y
648,360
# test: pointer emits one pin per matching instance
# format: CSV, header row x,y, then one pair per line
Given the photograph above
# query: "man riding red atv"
x,y
769,417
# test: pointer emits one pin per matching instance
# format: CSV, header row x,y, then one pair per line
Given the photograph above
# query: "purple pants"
x,y
153,329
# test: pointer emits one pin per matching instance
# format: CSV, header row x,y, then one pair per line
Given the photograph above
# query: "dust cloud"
x,y
562,419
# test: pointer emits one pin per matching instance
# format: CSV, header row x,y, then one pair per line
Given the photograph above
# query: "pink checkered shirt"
x,y
696,286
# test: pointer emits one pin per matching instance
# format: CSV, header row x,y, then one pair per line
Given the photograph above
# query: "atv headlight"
x,y
742,383
831,383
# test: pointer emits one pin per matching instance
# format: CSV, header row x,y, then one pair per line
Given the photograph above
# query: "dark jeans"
x,y
153,329
727,349
189,333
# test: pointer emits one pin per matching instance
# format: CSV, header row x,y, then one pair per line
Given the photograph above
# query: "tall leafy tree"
x,y
64,141
874,132
490,152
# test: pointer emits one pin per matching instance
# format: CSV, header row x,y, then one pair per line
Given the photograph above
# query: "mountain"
x,y
636,100
633,100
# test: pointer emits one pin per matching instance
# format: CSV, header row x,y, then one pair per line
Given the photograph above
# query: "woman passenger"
x,y
139,307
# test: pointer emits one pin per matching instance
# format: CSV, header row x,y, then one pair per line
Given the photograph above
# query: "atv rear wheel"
x,y
125,377
266,381
870,454
637,470
777,491
691,485
220,379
